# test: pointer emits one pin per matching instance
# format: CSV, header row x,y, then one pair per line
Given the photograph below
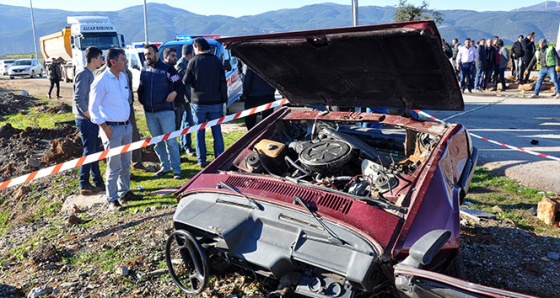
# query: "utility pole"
x,y
33,27
355,12
145,24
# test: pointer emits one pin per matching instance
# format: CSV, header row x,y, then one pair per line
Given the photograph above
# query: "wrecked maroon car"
x,y
334,203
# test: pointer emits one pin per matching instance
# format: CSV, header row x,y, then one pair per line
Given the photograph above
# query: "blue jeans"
x,y
160,123
551,72
186,121
89,133
467,73
118,167
201,114
479,81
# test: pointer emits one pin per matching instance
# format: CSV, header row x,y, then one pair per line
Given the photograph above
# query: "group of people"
x,y
479,64
174,94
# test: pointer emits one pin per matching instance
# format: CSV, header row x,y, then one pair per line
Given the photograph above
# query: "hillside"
x,y
165,22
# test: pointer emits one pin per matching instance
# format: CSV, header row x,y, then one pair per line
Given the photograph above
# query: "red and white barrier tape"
x,y
492,141
136,145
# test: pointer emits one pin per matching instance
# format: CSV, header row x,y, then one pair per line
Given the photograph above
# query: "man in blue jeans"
x,y
205,74
88,130
186,117
547,61
159,85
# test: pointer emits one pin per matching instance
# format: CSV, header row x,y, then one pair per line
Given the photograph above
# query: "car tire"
x,y
41,74
457,267
32,74
11,78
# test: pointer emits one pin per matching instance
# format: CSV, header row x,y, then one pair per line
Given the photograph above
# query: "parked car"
x,y
322,202
25,67
231,67
5,65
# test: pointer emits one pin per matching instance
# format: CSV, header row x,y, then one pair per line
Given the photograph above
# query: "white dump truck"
x,y
68,45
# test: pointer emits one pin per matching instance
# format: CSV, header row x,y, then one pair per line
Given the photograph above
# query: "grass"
x,y
36,117
514,201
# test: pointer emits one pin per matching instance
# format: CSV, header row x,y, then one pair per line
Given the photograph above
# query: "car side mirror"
x,y
424,250
227,65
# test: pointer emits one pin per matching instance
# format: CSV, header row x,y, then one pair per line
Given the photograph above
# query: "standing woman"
x,y
55,74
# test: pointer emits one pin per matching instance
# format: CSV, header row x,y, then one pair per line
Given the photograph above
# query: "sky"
x,y
237,8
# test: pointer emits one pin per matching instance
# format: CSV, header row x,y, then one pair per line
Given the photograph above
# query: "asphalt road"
x,y
516,121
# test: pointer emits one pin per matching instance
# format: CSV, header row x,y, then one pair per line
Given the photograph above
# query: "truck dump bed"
x,y
57,45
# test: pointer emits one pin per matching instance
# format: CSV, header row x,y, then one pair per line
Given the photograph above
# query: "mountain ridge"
x,y
165,22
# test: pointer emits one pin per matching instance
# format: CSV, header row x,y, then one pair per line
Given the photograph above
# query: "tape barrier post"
x,y
136,145
492,141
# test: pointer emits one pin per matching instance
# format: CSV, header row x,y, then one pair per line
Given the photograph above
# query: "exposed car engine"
x,y
361,161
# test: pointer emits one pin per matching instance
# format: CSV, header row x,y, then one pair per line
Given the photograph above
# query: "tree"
x,y
408,12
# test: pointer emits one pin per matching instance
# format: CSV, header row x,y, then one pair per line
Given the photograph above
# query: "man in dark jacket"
x,y
491,53
256,92
480,63
205,74
517,54
55,74
159,85
528,45
186,119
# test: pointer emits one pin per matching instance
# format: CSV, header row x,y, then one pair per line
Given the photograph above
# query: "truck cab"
x,y
68,45
230,63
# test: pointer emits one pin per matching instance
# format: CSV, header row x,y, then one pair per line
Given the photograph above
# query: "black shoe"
x,y
139,166
88,190
130,196
100,187
202,165
115,205
58,97
161,173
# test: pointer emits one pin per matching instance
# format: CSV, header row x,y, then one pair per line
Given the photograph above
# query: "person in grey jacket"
x,y
88,130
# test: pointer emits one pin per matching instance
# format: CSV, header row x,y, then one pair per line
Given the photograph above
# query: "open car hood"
x,y
398,65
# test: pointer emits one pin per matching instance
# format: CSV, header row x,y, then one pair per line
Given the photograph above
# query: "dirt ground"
x,y
496,253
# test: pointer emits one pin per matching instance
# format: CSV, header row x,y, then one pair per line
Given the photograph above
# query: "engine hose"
x,y
293,163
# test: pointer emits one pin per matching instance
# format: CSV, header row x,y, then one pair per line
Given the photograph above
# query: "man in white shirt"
x,y
109,108
466,58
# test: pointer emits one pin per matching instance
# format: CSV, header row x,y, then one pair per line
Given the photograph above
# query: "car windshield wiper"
x,y
252,201
334,239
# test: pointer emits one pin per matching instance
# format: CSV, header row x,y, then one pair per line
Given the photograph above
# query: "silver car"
x,y
5,65
25,67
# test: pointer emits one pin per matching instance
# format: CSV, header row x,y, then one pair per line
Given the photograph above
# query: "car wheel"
x,y
12,78
457,267
41,74
187,262
32,74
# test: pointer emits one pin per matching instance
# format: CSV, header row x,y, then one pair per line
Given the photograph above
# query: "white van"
x,y
136,61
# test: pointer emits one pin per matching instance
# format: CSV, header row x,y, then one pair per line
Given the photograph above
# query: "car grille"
x,y
328,200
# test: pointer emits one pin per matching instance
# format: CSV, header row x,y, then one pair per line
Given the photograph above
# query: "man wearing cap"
x,y
546,59
517,54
